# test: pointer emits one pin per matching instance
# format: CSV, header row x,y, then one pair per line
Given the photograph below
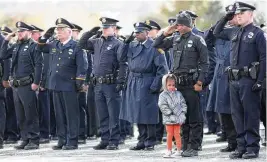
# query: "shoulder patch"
x,y
161,51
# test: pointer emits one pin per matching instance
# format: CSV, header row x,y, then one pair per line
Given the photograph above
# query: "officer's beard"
x,y
25,38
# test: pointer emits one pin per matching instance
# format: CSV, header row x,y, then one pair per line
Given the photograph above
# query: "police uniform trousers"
x,y
27,114
93,122
67,117
2,115
203,100
83,115
44,113
191,131
229,129
108,103
263,108
245,110
11,131
53,129
159,128
147,135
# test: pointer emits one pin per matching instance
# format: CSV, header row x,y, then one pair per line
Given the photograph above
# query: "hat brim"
x,y
22,29
62,26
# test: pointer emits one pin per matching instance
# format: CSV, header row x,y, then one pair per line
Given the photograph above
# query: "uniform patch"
x,y
161,51
54,50
203,41
190,43
70,51
104,20
109,47
250,35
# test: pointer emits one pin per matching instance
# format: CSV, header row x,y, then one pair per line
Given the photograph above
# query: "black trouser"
x,y
192,128
147,135
67,117
12,131
83,115
27,115
53,128
2,115
213,121
93,122
44,113
159,128
263,109
229,128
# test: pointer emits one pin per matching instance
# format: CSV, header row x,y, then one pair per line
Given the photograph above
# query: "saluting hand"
x,y
10,36
169,30
34,87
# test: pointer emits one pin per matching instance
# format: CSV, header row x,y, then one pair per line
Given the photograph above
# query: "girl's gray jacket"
x,y
172,105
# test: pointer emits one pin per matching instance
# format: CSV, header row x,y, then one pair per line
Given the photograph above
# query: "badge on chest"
x,y
189,43
250,35
70,51
25,48
109,47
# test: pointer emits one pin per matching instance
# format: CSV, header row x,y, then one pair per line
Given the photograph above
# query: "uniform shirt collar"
x,y
186,35
247,27
108,38
65,42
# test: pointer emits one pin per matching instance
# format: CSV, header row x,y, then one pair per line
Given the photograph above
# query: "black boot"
x,y
21,145
189,153
229,148
112,147
221,139
100,146
250,155
236,155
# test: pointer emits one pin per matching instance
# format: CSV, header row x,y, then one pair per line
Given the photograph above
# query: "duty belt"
x,y
18,82
108,79
236,74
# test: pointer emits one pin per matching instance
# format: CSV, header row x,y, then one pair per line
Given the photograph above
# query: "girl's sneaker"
x,y
177,153
168,154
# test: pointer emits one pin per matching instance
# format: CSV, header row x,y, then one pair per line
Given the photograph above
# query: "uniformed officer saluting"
x,y
26,71
189,52
109,70
66,76
246,74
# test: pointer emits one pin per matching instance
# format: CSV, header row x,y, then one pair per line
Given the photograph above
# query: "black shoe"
x,y
100,146
57,147
112,147
264,144
121,142
221,139
149,148
92,138
250,155
190,153
136,148
219,134
228,149
158,142
236,155
44,140
81,141
209,133
199,148
10,141
68,147
21,145
31,146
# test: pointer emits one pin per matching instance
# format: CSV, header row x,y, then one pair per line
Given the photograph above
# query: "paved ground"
x,y
85,153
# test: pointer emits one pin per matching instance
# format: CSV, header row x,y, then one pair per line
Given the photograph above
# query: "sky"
x,y
127,11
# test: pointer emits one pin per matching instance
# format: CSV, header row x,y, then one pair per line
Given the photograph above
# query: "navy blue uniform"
x,y
26,66
68,64
108,61
248,46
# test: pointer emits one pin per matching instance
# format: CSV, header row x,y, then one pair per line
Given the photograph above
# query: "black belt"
x,y
108,79
18,82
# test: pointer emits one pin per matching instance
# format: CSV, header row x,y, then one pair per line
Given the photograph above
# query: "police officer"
x,y
26,71
190,52
246,74
220,84
147,65
4,74
11,131
67,74
81,95
109,70
155,28
42,95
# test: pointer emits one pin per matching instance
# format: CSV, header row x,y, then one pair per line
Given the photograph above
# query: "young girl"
x,y
173,107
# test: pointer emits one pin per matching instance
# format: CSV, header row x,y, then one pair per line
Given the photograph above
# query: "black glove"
x,y
98,34
129,39
257,86
79,85
119,87
83,41
229,16
48,34
153,91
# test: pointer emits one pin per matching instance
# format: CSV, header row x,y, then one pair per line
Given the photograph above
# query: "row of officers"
x,y
122,79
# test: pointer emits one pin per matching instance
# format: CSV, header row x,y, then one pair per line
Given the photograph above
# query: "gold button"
x,y
59,58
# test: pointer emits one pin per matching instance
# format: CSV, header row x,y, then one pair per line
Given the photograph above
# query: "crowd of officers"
x,y
57,87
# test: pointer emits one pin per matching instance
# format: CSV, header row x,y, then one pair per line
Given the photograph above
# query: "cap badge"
x,y
104,20
230,7
137,24
147,22
59,20
19,24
